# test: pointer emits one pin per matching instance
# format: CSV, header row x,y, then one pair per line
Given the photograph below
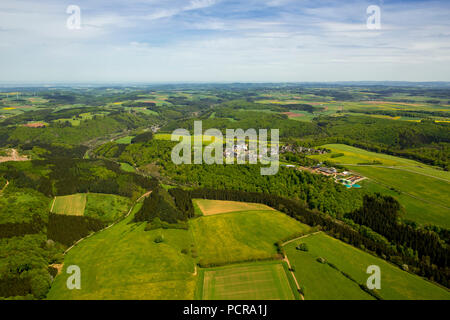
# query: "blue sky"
x,y
223,41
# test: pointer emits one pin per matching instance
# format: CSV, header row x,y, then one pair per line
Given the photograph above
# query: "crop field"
x,y
70,205
211,207
323,282
423,190
124,262
257,281
241,236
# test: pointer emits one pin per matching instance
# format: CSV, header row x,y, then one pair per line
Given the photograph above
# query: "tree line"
x,y
338,229
68,229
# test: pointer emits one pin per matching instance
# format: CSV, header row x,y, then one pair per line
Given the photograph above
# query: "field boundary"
x,y
289,264
53,204
4,187
107,227
304,236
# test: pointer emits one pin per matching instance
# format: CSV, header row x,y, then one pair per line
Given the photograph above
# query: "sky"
x,y
160,41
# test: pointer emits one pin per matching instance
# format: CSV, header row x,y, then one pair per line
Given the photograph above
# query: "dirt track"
x,y
7,183
14,156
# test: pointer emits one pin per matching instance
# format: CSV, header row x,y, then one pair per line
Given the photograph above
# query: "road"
x,y
289,264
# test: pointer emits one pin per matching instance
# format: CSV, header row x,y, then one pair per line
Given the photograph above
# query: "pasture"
x,y
106,207
241,236
127,167
124,262
211,207
423,190
70,205
124,140
323,282
256,281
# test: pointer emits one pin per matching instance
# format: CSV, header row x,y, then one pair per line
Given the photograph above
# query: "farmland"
x,y
122,269
211,207
104,207
395,283
420,188
124,262
95,150
241,236
70,205
256,281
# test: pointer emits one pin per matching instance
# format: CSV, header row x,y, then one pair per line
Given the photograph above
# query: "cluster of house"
x,y
248,155
325,170
297,149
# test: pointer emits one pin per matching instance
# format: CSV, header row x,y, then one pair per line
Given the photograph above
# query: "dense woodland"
x,y
69,176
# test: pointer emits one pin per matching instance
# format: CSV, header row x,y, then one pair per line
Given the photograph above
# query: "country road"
x,y
289,264
7,183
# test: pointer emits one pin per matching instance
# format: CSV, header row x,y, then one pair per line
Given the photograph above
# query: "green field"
x,y
106,207
241,236
124,262
355,156
256,281
423,190
70,205
125,140
425,199
127,167
323,282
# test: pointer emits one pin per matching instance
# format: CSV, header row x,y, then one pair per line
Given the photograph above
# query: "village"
x,y
346,178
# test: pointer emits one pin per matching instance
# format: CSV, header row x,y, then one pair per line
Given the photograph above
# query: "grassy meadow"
x,y
241,236
106,207
256,281
124,262
323,282
423,190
